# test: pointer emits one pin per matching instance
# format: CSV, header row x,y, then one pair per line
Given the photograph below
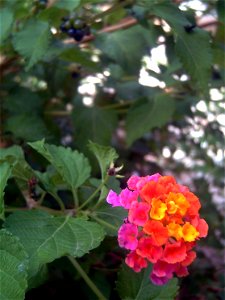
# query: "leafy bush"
x,y
79,79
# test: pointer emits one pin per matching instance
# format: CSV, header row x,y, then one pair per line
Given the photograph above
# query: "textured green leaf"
x,y
113,216
99,125
20,168
69,5
46,238
141,288
6,17
105,156
32,41
13,267
115,46
73,166
194,51
145,115
5,172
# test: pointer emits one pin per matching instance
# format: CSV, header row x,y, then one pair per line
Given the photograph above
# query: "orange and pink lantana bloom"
x,y
162,227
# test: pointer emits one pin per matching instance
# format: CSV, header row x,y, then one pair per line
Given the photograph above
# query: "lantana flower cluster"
x,y
162,226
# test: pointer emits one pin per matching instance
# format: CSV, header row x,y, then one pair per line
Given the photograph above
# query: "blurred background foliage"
x,y
146,77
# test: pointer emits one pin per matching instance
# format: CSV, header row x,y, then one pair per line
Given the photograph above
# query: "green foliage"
x,y
104,155
195,54
5,171
69,5
95,119
129,58
146,80
32,41
6,17
137,286
73,166
145,115
13,267
46,238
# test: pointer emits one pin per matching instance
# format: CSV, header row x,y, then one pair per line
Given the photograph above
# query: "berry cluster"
x,y
75,28
162,227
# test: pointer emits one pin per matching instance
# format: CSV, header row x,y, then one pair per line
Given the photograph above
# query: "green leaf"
x,y
46,238
194,51
105,156
6,17
115,47
99,125
145,115
141,288
77,56
32,41
5,171
170,13
73,166
68,5
113,216
21,126
21,101
13,267
20,168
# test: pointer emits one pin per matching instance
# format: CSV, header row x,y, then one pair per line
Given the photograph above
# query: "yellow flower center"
x,y
189,232
158,209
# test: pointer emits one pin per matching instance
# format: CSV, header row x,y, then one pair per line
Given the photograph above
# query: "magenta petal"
x,y
127,236
113,199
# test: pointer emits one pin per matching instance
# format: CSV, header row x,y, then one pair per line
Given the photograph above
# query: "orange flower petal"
x,y
158,232
174,253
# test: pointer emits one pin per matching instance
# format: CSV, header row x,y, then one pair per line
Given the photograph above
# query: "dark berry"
x,y
72,32
78,36
189,28
75,75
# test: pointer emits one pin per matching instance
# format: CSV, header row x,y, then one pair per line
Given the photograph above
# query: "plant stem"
x,y
86,278
40,201
75,198
104,223
93,194
59,201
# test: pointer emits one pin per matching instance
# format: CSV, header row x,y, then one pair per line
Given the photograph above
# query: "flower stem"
x,y
59,201
86,278
94,193
104,223
75,198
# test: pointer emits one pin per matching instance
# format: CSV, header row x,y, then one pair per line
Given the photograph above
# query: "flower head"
x,y
162,227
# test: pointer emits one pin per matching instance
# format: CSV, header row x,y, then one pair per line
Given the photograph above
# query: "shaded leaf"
x,y
5,172
145,115
46,238
113,216
22,126
13,267
105,156
115,47
73,166
32,41
99,125
69,5
78,56
170,13
141,288
6,17
194,51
